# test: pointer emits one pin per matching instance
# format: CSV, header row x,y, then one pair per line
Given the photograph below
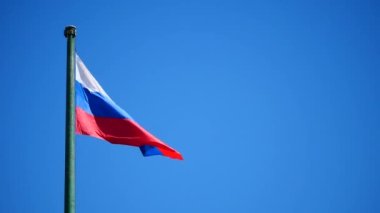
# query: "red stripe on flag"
x,y
120,131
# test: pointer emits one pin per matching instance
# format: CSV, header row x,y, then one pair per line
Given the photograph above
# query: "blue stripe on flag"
x,y
96,104
149,150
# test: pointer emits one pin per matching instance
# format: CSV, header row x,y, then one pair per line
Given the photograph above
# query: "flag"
x,y
97,115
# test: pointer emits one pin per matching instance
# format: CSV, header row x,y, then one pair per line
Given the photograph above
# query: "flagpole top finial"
x,y
70,30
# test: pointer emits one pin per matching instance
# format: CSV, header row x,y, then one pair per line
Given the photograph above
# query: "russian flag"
x,y
97,115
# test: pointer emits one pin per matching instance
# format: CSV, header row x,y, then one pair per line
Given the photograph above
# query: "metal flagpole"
x,y
70,33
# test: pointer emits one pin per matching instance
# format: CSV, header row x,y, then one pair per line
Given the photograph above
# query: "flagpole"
x,y
70,33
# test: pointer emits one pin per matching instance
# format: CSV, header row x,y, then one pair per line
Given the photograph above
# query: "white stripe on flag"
x,y
83,76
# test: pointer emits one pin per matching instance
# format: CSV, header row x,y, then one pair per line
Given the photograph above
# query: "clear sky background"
x,y
275,105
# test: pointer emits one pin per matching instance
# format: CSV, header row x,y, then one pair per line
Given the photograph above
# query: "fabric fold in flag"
x,y
97,115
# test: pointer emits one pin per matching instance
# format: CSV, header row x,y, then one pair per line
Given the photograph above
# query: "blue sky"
x,y
273,104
